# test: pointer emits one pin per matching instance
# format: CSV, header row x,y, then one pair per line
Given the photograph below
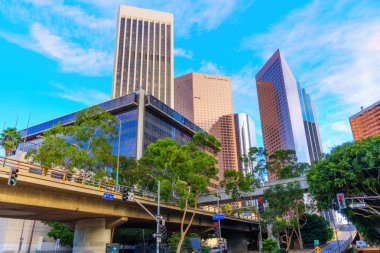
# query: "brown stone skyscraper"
x,y
206,100
366,123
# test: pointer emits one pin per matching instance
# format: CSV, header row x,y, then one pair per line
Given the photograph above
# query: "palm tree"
x,y
9,140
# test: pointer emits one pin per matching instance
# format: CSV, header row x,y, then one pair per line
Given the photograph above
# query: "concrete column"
x,y
91,236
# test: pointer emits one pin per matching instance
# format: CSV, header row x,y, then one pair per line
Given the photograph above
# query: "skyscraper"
x,y
245,139
206,100
366,123
310,124
280,109
144,53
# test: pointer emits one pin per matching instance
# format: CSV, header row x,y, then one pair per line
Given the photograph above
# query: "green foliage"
x,y
285,164
184,170
131,236
269,246
236,183
174,238
9,140
58,230
285,210
316,228
353,169
82,145
284,198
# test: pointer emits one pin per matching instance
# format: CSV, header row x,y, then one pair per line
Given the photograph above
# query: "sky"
x,y
56,56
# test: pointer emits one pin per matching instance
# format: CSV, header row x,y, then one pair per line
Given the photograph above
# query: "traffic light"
x,y
163,231
260,205
125,194
341,201
216,229
13,177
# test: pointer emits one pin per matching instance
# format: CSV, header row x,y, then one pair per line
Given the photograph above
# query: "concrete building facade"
x,y
280,109
245,139
206,100
144,54
310,122
366,123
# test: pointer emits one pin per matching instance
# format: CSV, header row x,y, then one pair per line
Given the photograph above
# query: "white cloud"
x,y
180,52
341,126
244,83
72,57
333,48
188,14
81,95
209,67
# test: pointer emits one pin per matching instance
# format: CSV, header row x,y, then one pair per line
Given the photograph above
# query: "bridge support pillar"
x,y
91,236
237,244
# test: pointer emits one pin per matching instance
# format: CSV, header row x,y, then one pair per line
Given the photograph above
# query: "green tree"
x,y
316,228
85,144
184,172
353,169
9,140
285,211
58,230
269,246
285,164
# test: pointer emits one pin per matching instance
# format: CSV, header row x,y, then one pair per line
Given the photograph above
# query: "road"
x,y
344,239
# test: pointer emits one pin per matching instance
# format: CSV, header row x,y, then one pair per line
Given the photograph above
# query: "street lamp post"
x,y
158,216
219,228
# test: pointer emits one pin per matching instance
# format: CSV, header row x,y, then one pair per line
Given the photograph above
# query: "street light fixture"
x,y
158,216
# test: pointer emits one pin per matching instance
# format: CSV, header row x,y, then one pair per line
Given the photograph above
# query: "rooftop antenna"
x,y
361,108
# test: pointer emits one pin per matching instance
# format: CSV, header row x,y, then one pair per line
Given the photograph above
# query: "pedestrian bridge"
x,y
49,194
223,197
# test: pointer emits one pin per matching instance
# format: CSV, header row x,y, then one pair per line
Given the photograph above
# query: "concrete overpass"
x,y
212,198
47,194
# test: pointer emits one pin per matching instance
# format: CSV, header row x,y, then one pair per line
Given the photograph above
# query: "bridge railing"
x,y
83,180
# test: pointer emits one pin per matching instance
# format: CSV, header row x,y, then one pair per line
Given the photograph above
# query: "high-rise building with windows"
x,y
310,124
206,100
366,123
144,53
245,139
280,109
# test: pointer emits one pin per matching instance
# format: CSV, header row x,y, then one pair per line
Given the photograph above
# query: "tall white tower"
x,y
144,54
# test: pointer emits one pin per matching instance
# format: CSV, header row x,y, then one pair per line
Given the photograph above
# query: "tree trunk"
x,y
179,246
299,236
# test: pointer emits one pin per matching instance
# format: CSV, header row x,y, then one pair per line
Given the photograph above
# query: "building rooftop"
x,y
365,109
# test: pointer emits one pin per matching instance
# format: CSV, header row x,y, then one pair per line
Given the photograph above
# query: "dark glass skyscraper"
x,y
280,109
310,124
144,54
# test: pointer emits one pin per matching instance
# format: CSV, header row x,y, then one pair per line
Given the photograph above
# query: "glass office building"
x,y
144,119
309,117
280,109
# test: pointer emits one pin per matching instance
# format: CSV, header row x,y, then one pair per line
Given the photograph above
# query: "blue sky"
x,y
57,56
